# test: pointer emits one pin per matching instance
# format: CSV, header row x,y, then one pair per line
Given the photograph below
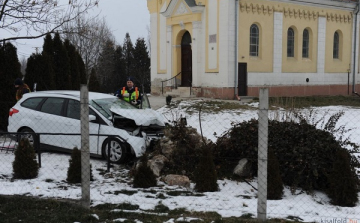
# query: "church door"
x,y
242,79
186,60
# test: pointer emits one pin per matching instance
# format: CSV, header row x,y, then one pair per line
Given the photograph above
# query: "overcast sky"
x,y
122,16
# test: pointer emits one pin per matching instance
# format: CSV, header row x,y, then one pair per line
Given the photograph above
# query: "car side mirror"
x,y
92,118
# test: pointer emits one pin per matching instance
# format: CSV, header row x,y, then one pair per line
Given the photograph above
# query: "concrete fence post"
x,y
262,152
85,152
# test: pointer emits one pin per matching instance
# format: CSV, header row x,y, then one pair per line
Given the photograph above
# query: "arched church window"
x,y
290,43
254,40
186,39
336,45
305,46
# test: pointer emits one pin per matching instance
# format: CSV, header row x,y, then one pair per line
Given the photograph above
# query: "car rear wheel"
x,y
27,134
118,150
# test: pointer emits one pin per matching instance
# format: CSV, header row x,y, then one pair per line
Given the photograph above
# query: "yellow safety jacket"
x,y
132,97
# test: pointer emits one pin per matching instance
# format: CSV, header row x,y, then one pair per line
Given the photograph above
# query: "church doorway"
x,y
186,60
242,79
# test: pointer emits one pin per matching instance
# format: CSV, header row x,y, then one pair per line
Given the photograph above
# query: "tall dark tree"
x,y
10,69
48,76
128,49
120,75
142,65
106,67
94,84
32,72
48,45
61,64
39,70
74,76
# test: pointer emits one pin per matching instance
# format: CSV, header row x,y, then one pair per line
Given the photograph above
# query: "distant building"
x,y
224,48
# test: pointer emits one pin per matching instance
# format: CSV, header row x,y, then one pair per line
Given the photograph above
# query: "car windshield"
x,y
104,105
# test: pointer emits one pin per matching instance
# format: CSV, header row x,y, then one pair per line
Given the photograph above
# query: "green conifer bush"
x,y
205,175
10,69
143,175
25,165
275,185
343,186
186,152
74,170
305,153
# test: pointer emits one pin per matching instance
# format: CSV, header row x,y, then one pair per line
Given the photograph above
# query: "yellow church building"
x,y
225,48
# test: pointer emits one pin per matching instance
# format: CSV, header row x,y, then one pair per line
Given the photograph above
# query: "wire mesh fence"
x,y
245,167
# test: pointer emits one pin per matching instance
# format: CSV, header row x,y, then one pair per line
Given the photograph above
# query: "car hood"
x,y
142,117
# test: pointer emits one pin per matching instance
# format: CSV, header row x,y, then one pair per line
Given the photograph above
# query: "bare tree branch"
x,y
31,19
88,35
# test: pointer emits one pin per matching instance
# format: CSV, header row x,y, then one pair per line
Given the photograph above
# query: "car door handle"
x,y
68,123
38,117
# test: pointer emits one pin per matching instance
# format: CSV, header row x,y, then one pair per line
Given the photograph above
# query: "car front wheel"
x,y
118,150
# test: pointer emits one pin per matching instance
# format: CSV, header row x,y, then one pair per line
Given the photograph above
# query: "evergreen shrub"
x,y
275,185
143,175
306,154
74,170
343,186
10,69
25,165
186,151
205,175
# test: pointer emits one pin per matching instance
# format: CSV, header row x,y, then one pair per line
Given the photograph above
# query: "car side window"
x,y
53,106
32,103
73,110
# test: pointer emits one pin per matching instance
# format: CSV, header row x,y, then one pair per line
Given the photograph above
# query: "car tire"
x,y
118,151
30,136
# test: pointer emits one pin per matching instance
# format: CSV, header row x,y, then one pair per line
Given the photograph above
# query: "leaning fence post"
x,y
85,153
37,146
108,154
262,152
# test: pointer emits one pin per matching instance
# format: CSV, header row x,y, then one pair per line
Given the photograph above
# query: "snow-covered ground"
x,y
233,198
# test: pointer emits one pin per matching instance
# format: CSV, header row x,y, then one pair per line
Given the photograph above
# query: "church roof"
x,y
190,3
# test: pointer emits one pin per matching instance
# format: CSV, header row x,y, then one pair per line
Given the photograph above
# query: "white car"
x,y
55,116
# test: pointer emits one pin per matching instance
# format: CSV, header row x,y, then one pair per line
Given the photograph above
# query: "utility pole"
x,y
36,49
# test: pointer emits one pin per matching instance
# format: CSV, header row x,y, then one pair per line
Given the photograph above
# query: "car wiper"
x,y
101,108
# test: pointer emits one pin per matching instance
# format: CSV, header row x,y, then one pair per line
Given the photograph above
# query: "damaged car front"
x,y
142,122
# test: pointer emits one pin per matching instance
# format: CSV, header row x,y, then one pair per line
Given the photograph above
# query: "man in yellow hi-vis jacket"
x,y
130,93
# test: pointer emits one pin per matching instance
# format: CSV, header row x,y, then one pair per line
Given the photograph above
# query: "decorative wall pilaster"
x,y
278,32
196,50
321,45
169,51
154,45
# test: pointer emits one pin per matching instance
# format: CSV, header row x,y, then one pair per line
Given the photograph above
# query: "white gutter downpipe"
x,y
236,48
355,41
